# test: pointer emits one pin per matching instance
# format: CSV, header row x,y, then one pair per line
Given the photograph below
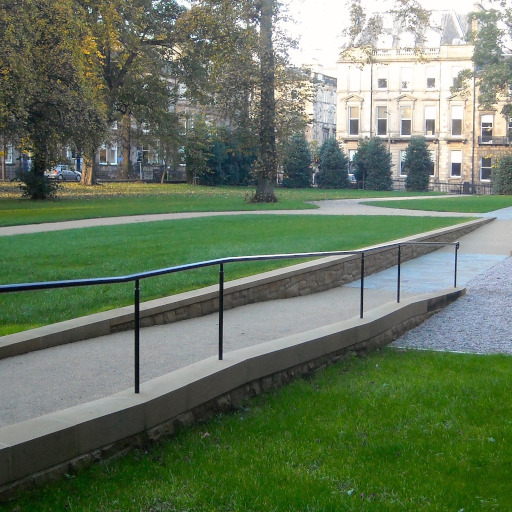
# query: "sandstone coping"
x,y
62,442
300,279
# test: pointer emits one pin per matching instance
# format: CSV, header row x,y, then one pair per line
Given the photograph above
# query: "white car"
x,y
63,172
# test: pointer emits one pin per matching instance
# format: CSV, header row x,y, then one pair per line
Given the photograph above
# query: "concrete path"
x,y
60,377
334,207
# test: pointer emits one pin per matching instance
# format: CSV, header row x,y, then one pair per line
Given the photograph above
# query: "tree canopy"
x,y
491,36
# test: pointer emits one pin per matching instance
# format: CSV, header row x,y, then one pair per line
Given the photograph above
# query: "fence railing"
x,y
221,262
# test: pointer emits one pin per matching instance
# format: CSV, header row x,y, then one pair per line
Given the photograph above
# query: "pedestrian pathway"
x,y
41,382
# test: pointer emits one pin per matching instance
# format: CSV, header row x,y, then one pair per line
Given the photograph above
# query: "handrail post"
x,y
455,270
137,336
361,306
399,273
221,310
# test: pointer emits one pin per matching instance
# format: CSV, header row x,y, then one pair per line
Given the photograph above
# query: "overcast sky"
x,y
319,23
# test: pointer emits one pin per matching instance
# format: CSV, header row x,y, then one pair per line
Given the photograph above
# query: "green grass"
x,y
126,249
465,204
114,199
393,432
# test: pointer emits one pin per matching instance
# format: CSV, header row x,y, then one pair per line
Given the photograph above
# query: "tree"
x,y
333,165
372,163
198,153
418,164
137,43
49,82
501,176
267,164
492,70
247,79
297,163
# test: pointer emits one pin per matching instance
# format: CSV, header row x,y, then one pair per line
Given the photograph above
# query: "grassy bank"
x,y
121,250
76,201
464,204
394,432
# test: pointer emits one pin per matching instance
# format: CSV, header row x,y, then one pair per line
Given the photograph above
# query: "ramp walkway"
x,y
53,379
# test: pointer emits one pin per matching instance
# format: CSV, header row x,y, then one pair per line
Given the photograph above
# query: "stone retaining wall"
x,y
60,443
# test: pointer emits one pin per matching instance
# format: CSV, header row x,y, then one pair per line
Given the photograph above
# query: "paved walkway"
x,y
60,377
334,207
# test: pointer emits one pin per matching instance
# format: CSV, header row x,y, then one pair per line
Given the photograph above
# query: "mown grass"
x,y
464,204
76,201
393,432
127,249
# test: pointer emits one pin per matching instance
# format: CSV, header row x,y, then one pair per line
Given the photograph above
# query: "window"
x,y
8,154
485,168
353,122
403,169
430,121
457,111
406,79
108,155
382,78
354,79
351,155
456,167
431,77
486,126
433,158
382,121
405,121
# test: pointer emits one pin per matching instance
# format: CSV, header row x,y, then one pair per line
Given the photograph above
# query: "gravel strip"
x,y
480,322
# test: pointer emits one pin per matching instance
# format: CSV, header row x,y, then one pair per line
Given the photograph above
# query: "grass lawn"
x,y
461,204
121,250
393,432
76,201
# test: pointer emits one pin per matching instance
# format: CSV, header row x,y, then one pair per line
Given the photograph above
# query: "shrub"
x,y
372,164
418,164
37,186
333,166
297,163
501,176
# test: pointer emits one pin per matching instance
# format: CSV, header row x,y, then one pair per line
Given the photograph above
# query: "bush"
x,y
372,164
37,186
297,163
501,176
333,166
418,164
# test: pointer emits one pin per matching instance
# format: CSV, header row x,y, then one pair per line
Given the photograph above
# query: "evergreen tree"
x,y
501,176
198,154
297,163
333,166
373,164
418,164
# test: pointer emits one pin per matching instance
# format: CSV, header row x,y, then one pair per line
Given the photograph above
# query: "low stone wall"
x,y
63,442
295,280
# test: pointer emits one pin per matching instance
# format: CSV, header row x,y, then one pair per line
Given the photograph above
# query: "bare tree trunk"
x,y
88,177
267,170
126,146
4,152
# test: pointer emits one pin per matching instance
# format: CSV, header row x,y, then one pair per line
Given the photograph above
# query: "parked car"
x,y
352,182
63,172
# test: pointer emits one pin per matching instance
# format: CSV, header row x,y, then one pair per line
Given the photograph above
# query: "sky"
x,y
319,23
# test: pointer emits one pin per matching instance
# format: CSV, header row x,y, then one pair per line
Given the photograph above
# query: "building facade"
x,y
399,93
321,110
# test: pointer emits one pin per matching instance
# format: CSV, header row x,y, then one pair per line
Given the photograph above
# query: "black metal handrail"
x,y
136,278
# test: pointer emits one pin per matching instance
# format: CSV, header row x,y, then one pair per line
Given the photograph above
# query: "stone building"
x,y
399,93
321,110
